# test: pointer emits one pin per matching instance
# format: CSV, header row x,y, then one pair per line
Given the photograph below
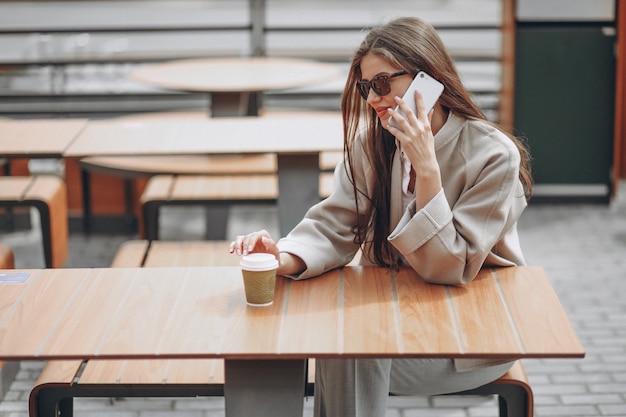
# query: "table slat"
x,y
425,316
144,371
38,313
190,253
313,307
369,312
99,302
537,312
11,293
197,371
480,311
142,318
105,372
254,331
201,316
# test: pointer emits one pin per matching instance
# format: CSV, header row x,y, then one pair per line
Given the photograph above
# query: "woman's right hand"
x,y
260,241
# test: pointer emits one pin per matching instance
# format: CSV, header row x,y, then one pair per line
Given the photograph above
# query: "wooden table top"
x,y
296,134
40,138
200,312
236,74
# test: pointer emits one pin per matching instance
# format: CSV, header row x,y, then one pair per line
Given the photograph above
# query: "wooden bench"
x,y
61,381
7,259
211,190
48,194
133,168
215,192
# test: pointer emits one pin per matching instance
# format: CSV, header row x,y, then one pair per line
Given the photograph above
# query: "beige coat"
x,y
471,223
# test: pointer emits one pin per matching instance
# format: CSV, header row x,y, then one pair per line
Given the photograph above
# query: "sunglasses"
x,y
380,84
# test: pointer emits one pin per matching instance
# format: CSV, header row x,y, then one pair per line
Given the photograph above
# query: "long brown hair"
x,y
411,44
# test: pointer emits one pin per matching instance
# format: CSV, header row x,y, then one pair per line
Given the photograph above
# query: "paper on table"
x,y
14,277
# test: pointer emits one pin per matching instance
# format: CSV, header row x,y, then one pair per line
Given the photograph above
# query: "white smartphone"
x,y
430,89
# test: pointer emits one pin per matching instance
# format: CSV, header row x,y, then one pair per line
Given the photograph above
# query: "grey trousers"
x,y
361,387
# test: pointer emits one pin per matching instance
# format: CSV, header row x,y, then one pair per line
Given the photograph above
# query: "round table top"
x,y
236,74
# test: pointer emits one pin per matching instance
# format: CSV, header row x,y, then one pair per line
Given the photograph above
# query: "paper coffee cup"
x,y
259,278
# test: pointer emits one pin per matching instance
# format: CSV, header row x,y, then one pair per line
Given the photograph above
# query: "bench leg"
x,y
264,388
151,220
298,188
86,183
129,215
216,217
513,399
52,402
66,407
46,235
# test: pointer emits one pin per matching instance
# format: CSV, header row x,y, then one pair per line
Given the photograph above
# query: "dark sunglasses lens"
x,y
363,89
380,85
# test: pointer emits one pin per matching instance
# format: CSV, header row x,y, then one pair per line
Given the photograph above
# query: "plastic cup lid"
x,y
258,262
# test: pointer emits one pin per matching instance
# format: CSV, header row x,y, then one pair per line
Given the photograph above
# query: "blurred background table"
x,y
234,84
297,141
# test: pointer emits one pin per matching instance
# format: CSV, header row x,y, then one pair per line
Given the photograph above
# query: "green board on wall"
x,y
564,101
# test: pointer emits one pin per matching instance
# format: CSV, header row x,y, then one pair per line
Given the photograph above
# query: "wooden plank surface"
x,y
59,372
102,372
255,331
227,187
536,311
89,317
141,319
236,74
14,188
423,310
314,133
190,253
314,307
38,138
209,304
130,254
153,371
197,371
483,323
158,188
31,321
369,312
200,312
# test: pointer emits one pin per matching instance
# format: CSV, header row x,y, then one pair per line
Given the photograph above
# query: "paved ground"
x,y
582,247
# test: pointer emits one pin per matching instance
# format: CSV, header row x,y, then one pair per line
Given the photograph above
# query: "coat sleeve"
x,y
324,239
447,242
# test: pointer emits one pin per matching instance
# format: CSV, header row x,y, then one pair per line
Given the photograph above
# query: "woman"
x,y
440,193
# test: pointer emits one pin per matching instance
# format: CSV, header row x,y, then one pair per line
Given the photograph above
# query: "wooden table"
x,y
231,80
297,141
200,312
43,138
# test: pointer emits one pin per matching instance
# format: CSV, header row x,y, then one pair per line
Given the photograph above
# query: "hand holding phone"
x,y
430,89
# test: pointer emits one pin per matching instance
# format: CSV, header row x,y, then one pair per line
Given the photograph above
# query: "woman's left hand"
x,y
414,132
418,143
